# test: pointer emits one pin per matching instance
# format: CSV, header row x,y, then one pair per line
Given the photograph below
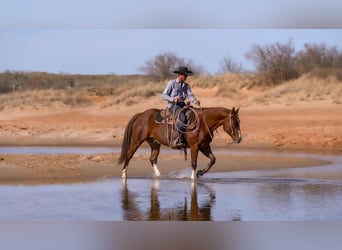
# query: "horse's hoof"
x,y
199,173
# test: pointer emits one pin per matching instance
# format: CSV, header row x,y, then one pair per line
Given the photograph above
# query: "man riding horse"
x,y
143,127
175,93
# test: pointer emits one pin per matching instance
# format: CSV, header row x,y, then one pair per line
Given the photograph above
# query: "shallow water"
x,y
300,194
214,198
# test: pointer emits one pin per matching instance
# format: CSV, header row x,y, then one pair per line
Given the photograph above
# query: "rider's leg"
x,y
177,137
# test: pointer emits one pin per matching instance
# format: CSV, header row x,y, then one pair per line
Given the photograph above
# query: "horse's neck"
x,y
215,116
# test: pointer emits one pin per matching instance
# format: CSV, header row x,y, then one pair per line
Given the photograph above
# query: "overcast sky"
x,y
104,36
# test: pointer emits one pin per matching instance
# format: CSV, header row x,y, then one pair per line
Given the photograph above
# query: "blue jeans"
x,y
175,109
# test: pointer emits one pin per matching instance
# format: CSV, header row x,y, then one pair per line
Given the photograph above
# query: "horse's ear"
x,y
233,110
237,111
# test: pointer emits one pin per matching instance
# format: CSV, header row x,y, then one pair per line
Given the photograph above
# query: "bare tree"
x,y
228,65
162,65
276,62
318,56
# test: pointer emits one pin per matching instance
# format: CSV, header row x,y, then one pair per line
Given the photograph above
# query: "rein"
x,y
206,124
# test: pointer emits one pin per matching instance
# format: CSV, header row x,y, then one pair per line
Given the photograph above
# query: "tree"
x,y
276,62
228,65
163,65
318,56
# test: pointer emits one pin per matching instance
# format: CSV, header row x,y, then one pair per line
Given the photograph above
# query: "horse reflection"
x,y
155,212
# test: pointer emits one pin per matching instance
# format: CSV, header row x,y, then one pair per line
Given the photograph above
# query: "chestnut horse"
x,y
143,127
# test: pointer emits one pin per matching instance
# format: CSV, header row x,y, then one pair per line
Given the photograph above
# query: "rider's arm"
x,y
167,92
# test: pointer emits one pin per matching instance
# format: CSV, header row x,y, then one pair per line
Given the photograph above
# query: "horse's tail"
x,y
127,139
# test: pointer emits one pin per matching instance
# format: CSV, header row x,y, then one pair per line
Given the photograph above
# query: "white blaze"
x,y
124,173
156,170
193,175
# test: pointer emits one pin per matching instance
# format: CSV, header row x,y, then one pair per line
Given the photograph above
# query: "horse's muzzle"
x,y
237,140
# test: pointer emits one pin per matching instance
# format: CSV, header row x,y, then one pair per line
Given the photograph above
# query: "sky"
x,y
105,36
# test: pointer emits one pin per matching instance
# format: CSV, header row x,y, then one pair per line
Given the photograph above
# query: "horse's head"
x,y
232,125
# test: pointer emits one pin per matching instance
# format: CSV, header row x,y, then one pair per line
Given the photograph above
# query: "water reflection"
x,y
176,208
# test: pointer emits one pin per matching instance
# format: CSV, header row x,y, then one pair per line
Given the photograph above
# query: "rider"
x,y
175,92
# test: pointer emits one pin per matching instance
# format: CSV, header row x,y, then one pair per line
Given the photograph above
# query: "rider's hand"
x,y
176,99
198,102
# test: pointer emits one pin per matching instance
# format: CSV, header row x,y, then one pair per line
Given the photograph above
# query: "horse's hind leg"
x,y
208,153
155,149
129,156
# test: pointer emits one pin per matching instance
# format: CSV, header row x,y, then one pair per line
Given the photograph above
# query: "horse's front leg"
x,y
208,153
155,149
194,155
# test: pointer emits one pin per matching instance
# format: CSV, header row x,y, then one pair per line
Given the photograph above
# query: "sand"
x,y
313,126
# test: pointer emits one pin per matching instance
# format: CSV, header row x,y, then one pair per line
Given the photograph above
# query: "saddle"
x,y
176,136
166,117
163,115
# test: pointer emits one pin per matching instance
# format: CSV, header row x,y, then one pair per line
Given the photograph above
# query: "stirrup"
x,y
177,144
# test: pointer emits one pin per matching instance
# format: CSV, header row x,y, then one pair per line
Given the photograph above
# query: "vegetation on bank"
x,y
36,89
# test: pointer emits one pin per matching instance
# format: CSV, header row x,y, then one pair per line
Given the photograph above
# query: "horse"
x,y
143,127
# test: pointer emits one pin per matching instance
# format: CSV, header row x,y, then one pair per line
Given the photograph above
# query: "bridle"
x,y
231,124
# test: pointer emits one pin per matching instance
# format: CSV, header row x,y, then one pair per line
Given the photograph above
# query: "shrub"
x,y
162,66
275,62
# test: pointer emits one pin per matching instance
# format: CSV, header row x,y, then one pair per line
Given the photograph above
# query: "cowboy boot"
x,y
177,140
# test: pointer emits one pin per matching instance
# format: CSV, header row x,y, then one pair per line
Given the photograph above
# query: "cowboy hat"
x,y
183,71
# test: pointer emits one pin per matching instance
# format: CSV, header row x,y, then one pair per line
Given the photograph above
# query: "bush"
x,y
318,56
275,62
162,66
228,65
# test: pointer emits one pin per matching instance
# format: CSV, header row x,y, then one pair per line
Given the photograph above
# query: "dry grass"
x,y
305,88
44,98
318,85
20,89
26,81
111,90
229,85
129,94
228,80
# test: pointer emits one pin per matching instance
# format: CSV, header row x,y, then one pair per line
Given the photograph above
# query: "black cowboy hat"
x,y
183,71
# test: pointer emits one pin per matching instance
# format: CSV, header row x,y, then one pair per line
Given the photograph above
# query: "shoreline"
x,y
215,146
36,169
